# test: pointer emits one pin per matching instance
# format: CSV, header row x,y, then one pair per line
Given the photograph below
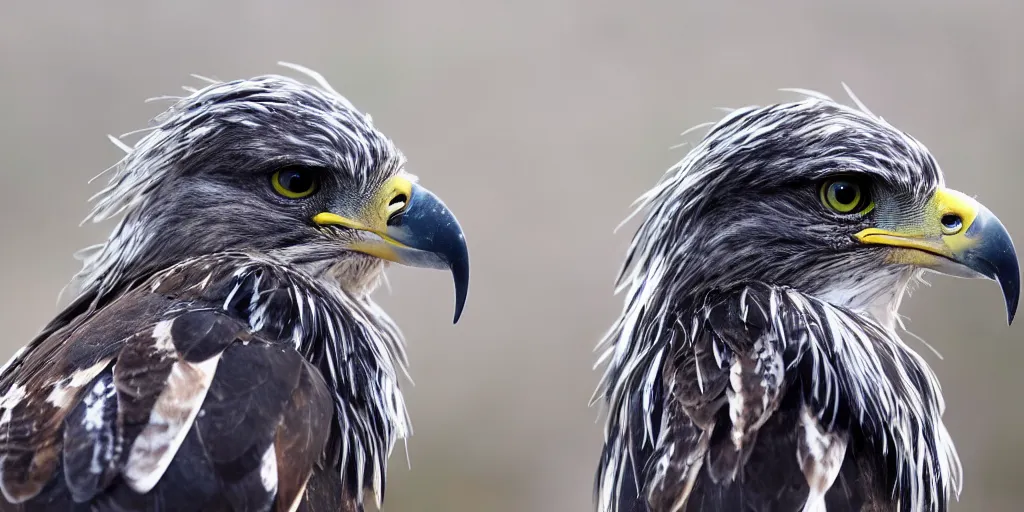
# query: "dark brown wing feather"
x,y
163,399
300,440
733,427
47,380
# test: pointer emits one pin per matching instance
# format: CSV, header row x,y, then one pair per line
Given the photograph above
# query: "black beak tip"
x,y
460,304
1011,292
1008,276
460,276
458,312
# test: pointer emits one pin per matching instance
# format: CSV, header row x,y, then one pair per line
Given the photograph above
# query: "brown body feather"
x,y
167,398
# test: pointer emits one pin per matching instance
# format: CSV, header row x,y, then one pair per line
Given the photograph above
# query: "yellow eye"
x,y
846,196
295,182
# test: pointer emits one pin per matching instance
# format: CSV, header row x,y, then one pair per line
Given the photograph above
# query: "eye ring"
x,y
295,182
846,196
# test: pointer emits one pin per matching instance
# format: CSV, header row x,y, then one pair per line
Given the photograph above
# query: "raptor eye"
x,y
846,196
295,182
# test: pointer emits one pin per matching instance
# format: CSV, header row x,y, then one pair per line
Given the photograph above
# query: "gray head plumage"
x,y
193,183
737,201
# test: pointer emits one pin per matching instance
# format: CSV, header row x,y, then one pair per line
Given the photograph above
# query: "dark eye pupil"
x,y
296,181
951,221
845,193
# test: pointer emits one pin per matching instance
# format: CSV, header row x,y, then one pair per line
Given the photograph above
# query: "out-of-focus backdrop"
x,y
538,122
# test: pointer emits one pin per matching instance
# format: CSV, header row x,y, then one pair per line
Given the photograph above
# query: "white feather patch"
x,y
14,395
820,455
169,423
162,335
268,469
65,390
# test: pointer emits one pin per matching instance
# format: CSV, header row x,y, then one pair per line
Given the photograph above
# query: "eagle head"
x,y
273,166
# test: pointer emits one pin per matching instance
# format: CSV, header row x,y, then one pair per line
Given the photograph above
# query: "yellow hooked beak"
x,y
412,226
953,234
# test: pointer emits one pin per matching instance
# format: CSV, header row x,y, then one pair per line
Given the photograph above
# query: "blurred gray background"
x,y
538,122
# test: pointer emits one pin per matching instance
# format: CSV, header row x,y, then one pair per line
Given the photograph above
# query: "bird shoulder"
x,y
168,386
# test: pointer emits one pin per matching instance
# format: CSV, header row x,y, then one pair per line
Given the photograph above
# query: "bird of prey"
x,y
223,352
757,364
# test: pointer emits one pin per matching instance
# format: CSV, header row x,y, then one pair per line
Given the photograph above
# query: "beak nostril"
x,y
396,205
398,200
951,223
